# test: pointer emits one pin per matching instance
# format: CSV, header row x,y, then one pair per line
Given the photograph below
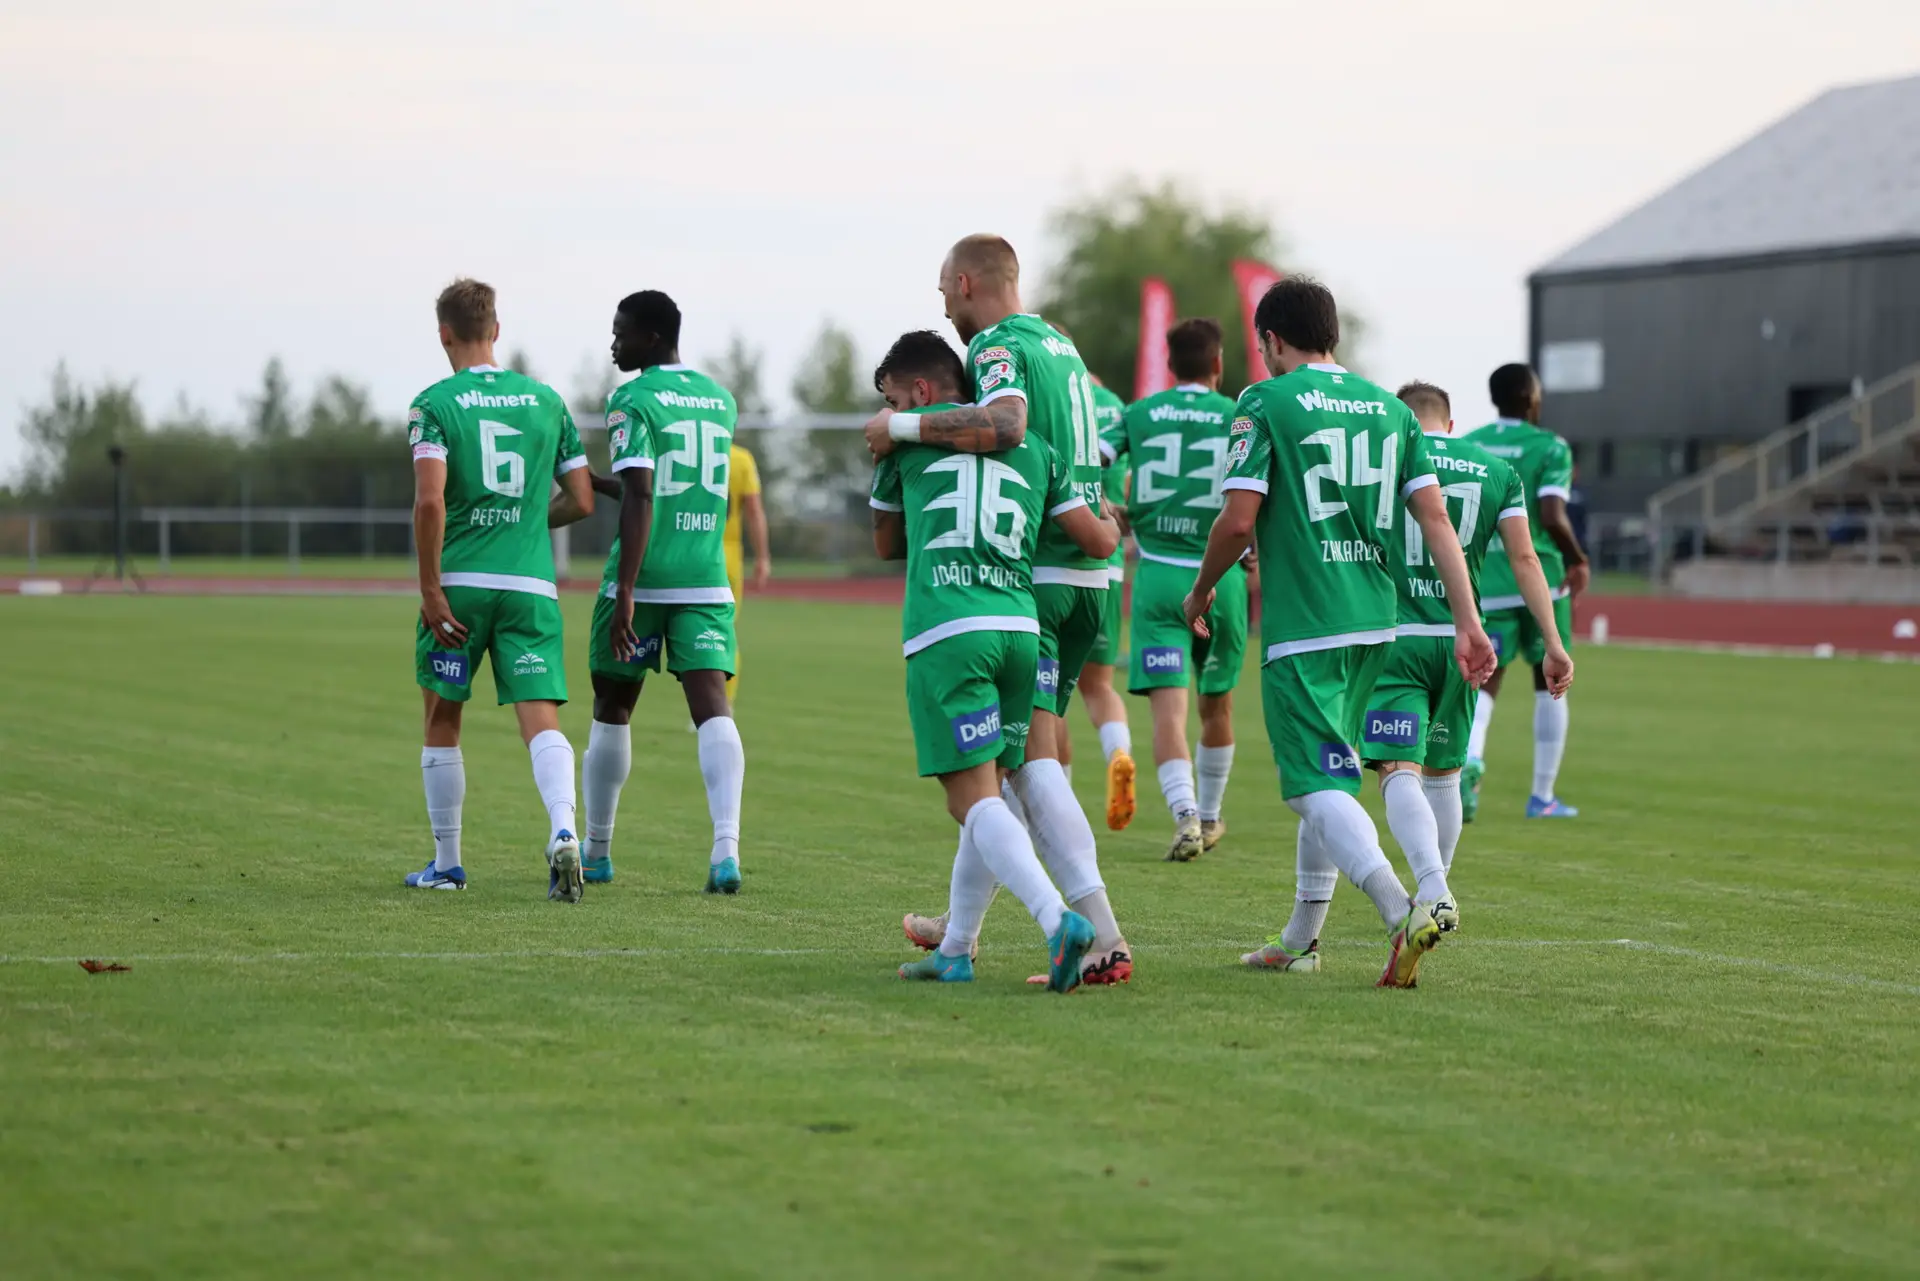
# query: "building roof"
x,y
1843,170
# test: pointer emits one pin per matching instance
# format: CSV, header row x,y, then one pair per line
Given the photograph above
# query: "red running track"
x,y
1849,629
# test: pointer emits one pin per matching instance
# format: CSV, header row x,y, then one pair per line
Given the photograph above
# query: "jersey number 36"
x,y
978,504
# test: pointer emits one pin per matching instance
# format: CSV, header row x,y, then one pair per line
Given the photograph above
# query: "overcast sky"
x,y
194,186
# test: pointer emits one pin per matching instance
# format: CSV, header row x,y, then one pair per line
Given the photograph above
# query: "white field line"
x,y
1809,973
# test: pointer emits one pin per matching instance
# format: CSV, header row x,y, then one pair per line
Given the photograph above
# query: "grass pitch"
x,y
309,1072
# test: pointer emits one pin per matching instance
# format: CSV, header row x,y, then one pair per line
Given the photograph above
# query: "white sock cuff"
x,y
974,815
1204,756
601,732
718,729
434,756
1441,784
547,740
1393,778
1115,736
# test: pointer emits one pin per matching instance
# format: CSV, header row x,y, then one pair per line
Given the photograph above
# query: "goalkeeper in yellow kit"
x,y
744,508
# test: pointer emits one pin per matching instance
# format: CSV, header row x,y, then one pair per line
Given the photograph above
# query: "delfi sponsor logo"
x,y
974,730
1046,677
452,667
1396,729
1337,760
1163,658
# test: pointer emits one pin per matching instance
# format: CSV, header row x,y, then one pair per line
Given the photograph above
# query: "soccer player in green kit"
x,y
1319,462
966,525
486,444
1028,378
1105,708
664,595
1545,464
1176,443
1416,723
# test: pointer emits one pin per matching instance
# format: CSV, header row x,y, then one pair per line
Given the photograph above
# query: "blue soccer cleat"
x,y
563,869
939,968
1064,949
1552,807
596,871
724,877
432,878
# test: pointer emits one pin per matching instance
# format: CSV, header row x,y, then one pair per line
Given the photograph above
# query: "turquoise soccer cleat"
x,y
596,871
938,968
724,877
1064,949
1470,774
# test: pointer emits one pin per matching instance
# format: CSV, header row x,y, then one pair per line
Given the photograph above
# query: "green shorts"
x,y
1516,635
1314,703
696,638
970,700
1166,653
1421,709
1070,619
519,631
1106,647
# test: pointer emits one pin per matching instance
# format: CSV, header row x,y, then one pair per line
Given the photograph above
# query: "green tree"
x,y
832,465
739,369
270,413
832,377
1113,241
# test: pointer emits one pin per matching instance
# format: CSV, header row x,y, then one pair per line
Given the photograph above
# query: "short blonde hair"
x,y
466,307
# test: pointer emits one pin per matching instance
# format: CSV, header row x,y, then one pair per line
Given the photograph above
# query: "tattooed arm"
x,y
968,429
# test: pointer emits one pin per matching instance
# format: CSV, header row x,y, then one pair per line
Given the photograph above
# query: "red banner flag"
x,y
1150,372
1251,280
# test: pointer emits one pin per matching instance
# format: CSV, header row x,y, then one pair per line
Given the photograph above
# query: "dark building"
x,y
1781,277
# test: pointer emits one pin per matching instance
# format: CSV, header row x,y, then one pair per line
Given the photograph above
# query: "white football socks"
x,y
1549,742
1176,784
1482,722
444,777
1443,798
553,774
1314,878
1211,765
1004,847
1412,822
603,772
723,765
1115,737
1012,798
968,898
1346,834
1065,840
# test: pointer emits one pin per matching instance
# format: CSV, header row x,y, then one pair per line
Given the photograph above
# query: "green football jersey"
x,y
504,437
1481,491
1336,458
1110,411
679,422
1545,464
972,522
1025,356
1177,444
